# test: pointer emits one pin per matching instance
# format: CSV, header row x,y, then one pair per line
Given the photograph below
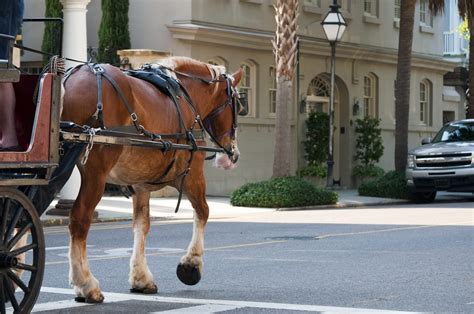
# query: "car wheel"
x,y
423,197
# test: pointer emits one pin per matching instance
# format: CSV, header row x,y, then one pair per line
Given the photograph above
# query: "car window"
x,y
458,132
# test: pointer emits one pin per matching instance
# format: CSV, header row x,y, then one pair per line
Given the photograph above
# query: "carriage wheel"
x,y
22,253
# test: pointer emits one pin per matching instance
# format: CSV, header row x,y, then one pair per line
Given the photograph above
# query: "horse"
x,y
211,93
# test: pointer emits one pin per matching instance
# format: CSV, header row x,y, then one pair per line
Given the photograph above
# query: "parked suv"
x,y
444,163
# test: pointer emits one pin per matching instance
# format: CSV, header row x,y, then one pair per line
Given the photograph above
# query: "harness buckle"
x,y
134,117
97,69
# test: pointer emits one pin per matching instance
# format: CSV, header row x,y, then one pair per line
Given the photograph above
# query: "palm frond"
x,y
466,10
436,6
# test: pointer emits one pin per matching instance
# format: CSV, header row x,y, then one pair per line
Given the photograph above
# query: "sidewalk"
x,y
119,208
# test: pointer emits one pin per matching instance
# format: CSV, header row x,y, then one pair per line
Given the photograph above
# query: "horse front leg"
x,y
140,278
84,283
190,268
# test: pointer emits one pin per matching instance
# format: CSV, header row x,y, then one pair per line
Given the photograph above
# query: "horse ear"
x,y
237,77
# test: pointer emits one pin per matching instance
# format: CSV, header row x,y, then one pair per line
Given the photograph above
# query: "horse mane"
x,y
186,64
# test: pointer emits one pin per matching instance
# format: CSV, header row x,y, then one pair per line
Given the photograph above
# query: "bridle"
x,y
233,100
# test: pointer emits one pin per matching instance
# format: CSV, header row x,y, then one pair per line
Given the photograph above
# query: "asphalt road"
x,y
276,263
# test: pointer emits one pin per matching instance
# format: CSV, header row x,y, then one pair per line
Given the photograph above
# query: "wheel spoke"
x,y
18,236
6,211
2,295
18,281
23,249
25,267
13,222
11,293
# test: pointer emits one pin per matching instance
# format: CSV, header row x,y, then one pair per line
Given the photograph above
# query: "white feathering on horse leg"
x,y
196,246
140,276
84,283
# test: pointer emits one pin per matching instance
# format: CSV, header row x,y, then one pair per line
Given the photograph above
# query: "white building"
x,y
237,33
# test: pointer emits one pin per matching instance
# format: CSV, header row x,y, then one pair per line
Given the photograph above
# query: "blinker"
x,y
243,104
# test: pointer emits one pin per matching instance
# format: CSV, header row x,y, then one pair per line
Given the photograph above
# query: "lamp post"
x,y
334,26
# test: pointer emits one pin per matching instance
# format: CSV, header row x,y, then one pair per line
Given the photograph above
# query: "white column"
x,y
75,30
75,47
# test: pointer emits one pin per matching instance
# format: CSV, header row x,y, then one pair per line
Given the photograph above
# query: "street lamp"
x,y
334,26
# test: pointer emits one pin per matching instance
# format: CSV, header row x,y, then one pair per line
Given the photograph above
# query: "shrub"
x,y
317,137
319,170
369,147
282,192
52,33
391,185
113,30
316,145
362,171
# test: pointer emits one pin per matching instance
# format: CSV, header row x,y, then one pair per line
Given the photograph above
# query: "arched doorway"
x,y
317,100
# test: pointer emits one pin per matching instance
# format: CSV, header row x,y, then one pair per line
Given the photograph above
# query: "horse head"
x,y
217,100
221,122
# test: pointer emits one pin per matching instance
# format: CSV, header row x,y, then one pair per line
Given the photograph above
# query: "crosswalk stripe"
x,y
202,309
117,297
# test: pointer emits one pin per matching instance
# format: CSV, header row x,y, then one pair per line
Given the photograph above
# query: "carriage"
x,y
31,178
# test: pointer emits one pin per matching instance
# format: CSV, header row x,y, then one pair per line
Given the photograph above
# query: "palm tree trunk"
x,y
402,94
284,48
282,158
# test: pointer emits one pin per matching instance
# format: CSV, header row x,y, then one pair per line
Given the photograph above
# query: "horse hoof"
x,y
89,300
152,290
189,275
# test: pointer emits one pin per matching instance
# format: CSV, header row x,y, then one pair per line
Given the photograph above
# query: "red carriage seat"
x,y
32,120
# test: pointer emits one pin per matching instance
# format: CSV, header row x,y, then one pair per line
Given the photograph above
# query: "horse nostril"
x,y
235,158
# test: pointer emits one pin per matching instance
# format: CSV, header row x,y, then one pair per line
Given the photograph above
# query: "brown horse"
x,y
147,169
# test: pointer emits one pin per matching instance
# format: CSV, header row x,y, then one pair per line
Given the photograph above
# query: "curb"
x,y
58,222
55,222
344,205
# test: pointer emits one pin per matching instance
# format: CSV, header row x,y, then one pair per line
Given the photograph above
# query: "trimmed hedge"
x,y
391,185
282,192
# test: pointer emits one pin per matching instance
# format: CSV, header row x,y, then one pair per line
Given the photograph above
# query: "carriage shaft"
x,y
124,141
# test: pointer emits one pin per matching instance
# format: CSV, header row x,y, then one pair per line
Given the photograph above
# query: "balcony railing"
x,y
454,44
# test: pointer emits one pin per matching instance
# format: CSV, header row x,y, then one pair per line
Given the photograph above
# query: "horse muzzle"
x,y
233,153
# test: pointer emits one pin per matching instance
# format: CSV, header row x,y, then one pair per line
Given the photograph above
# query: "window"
x,y
345,6
425,102
312,6
425,17
370,96
316,3
371,7
219,62
396,12
272,90
247,85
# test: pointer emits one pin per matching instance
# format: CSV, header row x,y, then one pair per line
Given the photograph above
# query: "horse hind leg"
x,y
140,278
190,268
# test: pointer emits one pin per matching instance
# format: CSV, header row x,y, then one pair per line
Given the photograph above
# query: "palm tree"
x,y
466,10
402,93
284,48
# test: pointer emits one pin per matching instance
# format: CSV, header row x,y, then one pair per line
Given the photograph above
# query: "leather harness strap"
x,y
174,94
